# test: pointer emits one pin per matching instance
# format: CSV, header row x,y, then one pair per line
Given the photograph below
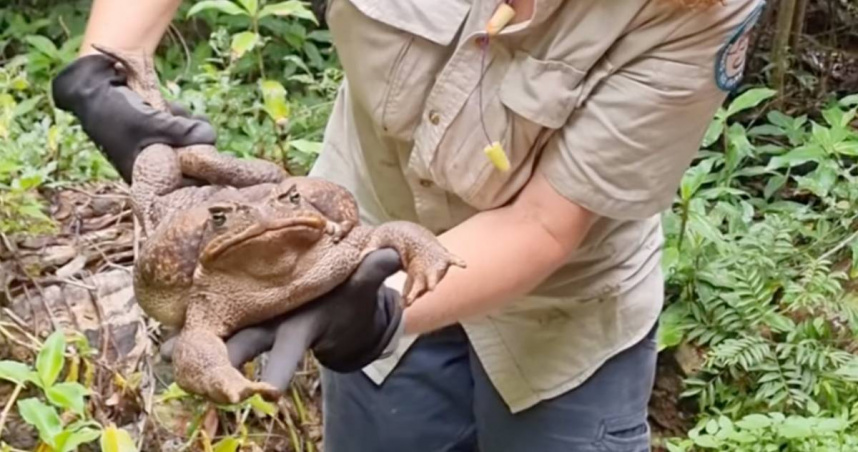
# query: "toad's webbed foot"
x,y
425,260
201,366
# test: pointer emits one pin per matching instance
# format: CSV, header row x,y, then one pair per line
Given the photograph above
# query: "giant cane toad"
x,y
253,245
234,262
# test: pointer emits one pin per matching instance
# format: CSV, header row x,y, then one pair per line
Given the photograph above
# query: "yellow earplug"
x,y
497,156
499,19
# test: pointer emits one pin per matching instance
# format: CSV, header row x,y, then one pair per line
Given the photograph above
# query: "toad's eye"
x,y
218,216
291,196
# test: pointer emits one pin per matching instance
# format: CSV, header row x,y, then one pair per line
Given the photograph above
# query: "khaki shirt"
x,y
608,99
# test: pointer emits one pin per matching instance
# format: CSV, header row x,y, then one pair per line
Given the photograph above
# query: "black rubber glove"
x,y
346,329
116,119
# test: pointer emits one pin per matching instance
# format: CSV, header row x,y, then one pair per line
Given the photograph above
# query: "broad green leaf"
x,y
49,362
27,105
780,119
774,184
69,440
713,132
43,417
288,8
116,440
708,442
242,43
172,392
313,54
831,425
754,422
780,323
44,45
796,427
257,403
307,147
18,373
849,101
766,130
849,148
274,100
68,395
669,259
71,46
796,157
670,331
694,178
834,117
224,6
228,444
749,99
821,180
251,6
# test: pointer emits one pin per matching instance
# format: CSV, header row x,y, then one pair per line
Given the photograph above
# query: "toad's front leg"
x,y
425,260
201,366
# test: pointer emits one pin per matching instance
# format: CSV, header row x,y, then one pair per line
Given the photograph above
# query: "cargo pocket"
x,y
625,434
521,107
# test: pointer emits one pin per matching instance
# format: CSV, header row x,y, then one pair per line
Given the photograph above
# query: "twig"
x,y
185,48
839,247
55,280
15,340
23,270
9,403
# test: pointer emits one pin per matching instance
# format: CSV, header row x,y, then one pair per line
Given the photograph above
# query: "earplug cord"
x,y
484,49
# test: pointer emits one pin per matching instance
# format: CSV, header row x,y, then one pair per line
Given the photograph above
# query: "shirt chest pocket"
x,y
524,100
390,51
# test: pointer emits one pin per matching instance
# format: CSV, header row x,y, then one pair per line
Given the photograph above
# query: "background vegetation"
x,y
758,337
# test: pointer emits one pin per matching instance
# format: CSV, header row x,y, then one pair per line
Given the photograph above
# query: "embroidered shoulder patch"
x,y
730,61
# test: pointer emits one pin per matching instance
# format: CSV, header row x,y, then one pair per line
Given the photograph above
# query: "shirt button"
x,y
425,183
434,117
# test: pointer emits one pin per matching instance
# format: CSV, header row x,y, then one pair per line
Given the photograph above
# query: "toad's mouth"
x,y
267,230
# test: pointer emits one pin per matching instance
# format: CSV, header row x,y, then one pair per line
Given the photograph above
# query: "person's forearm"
x,y
126,24
508,251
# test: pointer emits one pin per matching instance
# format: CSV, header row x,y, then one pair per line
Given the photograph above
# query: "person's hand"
x,y
348,328
116,119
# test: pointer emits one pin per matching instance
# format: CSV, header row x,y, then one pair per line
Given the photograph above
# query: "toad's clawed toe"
x,y
201,365
426,270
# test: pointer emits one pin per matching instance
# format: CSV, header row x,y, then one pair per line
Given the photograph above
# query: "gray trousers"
x,y
440,399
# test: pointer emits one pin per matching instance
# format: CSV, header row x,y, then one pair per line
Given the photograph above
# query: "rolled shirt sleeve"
x,y
622,153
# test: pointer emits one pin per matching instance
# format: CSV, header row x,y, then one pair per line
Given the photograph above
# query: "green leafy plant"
x,y
751,256
770,432
66,395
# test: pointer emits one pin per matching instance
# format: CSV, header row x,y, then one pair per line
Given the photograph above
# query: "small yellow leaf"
x,y
207,442
274,98
228,444
116,440
243,42
497,156
20,84
258,404
88,373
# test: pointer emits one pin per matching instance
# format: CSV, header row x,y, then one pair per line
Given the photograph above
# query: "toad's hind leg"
x,y
201,366
206,163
